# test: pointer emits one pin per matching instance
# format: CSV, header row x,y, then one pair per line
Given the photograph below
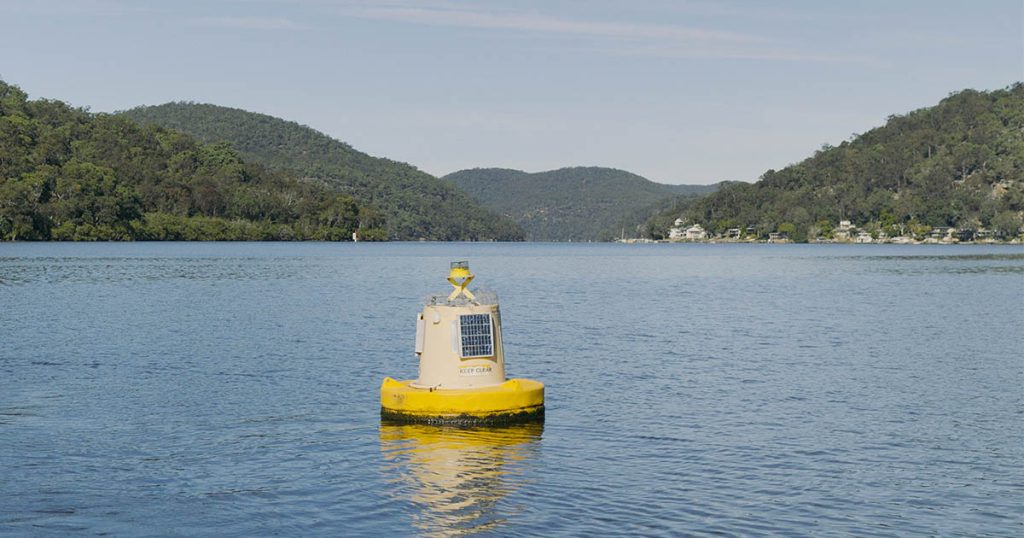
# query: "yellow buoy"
x,y
462,365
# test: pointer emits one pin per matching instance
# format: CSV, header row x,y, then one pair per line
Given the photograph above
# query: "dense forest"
x,y
66,174
408,203
958,164
192,172
572,204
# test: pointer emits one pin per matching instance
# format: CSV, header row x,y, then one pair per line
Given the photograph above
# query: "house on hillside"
x,y
696,233
942,234
844,232
984,235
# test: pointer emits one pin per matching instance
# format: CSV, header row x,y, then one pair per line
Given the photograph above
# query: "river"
x,y
732,390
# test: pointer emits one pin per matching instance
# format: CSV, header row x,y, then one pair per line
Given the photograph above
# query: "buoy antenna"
x,y
460,277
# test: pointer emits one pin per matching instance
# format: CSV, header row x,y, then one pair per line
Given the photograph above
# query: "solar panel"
x,y
476,336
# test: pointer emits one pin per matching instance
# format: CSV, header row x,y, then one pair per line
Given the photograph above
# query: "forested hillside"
x,y
408,203
577,204
67,174
958,164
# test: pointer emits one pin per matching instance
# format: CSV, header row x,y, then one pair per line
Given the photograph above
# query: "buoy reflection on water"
x,y
455,476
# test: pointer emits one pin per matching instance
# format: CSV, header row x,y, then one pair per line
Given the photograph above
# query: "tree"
x,y
19,209
71,175
1008,224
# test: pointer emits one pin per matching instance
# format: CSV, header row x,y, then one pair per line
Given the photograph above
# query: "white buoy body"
x,y
459,346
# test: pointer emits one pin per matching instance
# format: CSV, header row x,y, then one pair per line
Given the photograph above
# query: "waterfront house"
x,y
964,235
942,234
696,233
844,231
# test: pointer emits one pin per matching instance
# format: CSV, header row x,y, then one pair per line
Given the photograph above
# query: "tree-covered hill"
x,y
67,174
959,164
577,204
408,203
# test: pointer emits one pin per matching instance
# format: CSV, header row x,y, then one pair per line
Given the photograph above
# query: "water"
x,y
232,390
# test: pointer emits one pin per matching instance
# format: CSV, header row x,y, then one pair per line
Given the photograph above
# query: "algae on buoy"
x,y
462,365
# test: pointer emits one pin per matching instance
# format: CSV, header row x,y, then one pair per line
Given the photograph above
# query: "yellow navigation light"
x,y
460,277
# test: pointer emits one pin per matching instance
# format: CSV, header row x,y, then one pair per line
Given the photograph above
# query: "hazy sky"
x,y
677,91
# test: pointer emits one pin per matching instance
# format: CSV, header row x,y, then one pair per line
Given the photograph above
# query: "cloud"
x,y
769,53
74,7
248,23
625,38
716,8
616,37
448,15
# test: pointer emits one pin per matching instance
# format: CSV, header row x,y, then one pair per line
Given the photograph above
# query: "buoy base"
x,y
514,401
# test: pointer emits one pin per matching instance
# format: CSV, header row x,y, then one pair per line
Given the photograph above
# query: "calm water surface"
x,y
232,390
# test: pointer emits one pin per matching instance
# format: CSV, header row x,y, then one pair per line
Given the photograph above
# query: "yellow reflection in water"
x,y
456,476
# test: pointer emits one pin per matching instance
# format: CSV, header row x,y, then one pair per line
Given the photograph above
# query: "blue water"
x,y
736,390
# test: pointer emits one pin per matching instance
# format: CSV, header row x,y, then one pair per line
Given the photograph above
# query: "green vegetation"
x,y
571,204
658,226
67,174
407,203
958,164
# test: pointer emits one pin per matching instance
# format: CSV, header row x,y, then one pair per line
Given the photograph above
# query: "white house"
x,y
696,233
844,231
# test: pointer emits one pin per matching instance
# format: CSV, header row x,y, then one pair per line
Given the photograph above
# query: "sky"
x,y
676,91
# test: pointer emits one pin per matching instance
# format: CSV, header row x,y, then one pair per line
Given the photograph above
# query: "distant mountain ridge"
x,y
571,204
408,203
